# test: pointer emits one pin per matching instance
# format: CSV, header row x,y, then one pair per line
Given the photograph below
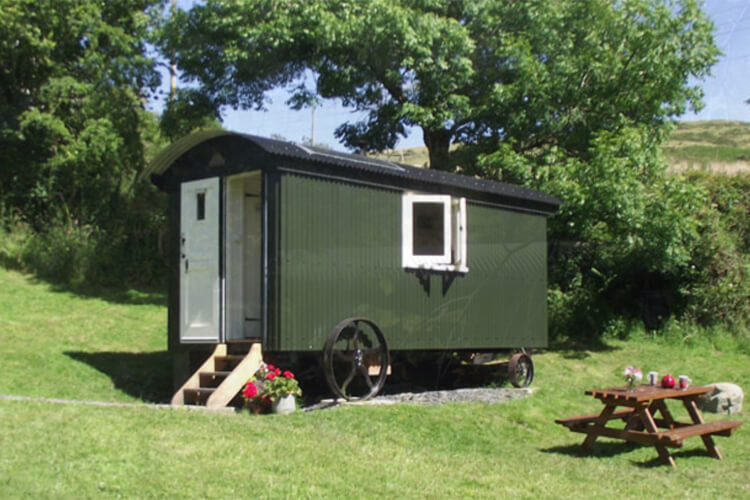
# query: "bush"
x,y
718,288
631,242
127,251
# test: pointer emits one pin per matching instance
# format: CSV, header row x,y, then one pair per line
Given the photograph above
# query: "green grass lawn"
x,y
110,347
58,344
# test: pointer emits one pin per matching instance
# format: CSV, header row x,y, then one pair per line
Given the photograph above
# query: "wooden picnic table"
x,y
641,405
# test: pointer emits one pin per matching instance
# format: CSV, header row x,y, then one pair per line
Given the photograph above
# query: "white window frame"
x,y
455,252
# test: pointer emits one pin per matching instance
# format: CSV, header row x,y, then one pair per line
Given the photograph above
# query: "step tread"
x,y
218,373
199,390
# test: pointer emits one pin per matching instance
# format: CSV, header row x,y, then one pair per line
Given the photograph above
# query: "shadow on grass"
x,y
149,295
600,450
579,348
123,296
611,449
143,375
679,455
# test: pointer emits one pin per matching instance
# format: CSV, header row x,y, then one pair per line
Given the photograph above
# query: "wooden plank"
x,y
667,421
634,436
194,381
587,419
197,396
641,393
648,422
719,428
695,414
599,424
212,379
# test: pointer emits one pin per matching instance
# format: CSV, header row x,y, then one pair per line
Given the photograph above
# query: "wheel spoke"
x,y
341,356
348,379
355,337
366,375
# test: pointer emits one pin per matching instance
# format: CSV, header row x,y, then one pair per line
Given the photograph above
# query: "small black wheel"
x,y
521,369
356,359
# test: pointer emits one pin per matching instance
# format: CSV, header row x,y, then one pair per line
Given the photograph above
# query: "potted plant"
x,y
271,388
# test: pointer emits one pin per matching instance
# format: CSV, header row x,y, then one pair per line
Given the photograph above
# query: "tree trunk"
x,y
438,146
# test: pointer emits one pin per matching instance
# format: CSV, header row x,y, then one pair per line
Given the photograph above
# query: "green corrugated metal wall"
x,y
340,256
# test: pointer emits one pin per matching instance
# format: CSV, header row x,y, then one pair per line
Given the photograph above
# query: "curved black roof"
x,y
389,172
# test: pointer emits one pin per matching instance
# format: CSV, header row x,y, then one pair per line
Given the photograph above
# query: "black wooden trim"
x,y
172,246
264,258
222,229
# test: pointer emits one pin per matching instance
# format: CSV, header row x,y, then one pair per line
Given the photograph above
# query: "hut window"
x,y
434,232
200,208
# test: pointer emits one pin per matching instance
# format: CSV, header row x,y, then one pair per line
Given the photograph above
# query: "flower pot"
x,y
284,405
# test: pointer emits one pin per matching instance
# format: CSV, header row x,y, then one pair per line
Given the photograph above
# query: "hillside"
x,y
719,146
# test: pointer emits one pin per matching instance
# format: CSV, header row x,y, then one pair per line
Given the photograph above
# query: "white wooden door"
x,y
199,262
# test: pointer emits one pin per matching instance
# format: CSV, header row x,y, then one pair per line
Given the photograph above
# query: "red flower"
x,y
250,390
270,368
288,374
270,375
277,371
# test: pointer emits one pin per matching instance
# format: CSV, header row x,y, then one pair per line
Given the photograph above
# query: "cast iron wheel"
x,y
356,359
521,370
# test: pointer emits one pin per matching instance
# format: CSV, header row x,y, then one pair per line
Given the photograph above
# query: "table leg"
x,y
697,418
650,425
660,405
601,421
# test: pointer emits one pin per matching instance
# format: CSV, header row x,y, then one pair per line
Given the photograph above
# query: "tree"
x,y
572,97
73,79
528,75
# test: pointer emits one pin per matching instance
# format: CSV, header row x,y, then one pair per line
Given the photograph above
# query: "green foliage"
x,y
522,74
74,138
632,243
80,255
74,78
719,284
186,112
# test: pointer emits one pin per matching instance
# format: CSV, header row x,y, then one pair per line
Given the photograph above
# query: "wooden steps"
x,y
197,396
213,379
218,381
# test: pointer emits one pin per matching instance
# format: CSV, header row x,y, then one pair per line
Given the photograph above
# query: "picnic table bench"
x,y
642,404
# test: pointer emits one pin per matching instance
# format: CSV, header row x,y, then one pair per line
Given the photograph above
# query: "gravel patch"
x,y
431,398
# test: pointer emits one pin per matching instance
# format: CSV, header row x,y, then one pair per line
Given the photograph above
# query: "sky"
x,y
726,90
